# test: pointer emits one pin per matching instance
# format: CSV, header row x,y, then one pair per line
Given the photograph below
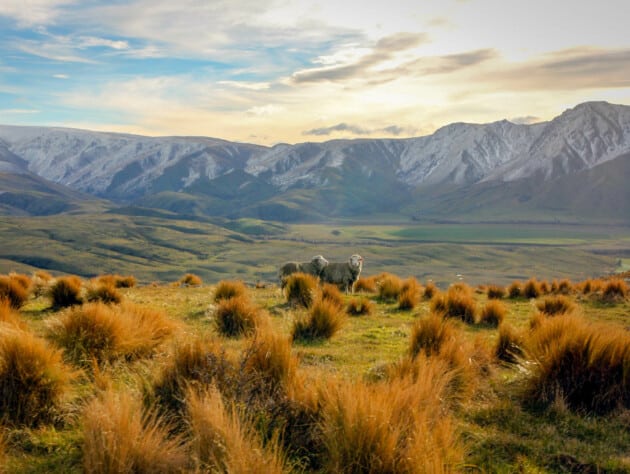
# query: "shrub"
x,y
510,344
430,290
553,305
366,285
360,306
65,291
389,287
458,302
118,437
515,290
301,289
222,443
33,378
227,289
531,289
105,292
493,313
587,366
331,292
495,292
269,356
102,333
236,316
12,291
428,335
322,321
615,289
190,279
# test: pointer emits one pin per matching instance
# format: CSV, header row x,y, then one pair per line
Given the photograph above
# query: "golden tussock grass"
x,y
366,284
409,296
556,304
360,306
117,281
120,437
515,290
10,316
510,344
585,365
221,442
389,287
399,425
12,291
322,321
24,281
301,289
493,313
615,290
331,292
495,292
237,316
34,381
103,333
190,279
227,289
458,302
65,291
562,287
429,334
104,292
531,288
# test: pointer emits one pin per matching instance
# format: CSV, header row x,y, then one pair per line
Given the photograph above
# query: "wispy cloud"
x,y
393,130
527,120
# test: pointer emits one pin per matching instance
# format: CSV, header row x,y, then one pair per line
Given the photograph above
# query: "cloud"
x,y
527,120
61,76
33,12
393,130
93,42
265,110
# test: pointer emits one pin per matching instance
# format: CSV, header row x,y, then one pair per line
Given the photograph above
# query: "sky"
x,y
282,71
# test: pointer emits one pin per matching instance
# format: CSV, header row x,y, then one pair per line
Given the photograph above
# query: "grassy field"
x,y
495,427
159,249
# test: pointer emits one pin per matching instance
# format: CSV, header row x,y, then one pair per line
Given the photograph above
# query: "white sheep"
x,y
343,274
314,267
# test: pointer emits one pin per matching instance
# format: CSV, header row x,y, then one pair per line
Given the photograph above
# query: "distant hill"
x,y
572,168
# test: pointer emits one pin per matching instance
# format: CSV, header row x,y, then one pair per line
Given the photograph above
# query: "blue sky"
x,y
272,71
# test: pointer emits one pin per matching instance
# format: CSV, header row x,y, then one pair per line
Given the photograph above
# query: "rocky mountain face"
x,y
512,166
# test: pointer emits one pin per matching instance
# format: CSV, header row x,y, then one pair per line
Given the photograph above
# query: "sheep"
x,y
343,274
314,267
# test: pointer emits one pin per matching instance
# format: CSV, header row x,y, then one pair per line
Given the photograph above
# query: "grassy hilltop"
x,y
109,375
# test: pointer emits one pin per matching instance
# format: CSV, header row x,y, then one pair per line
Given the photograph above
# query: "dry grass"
x,y
510,344
24,281
428,335
301,289
553,305
222,443
190,279
615,290
389,287
430,290
493,313
515,290
409,296
10,316
331,292
65,292
227,289
12,291
360,306
322,321
458,302
237,316
531,289
562,287
117,281
119,438
103,292
34,381
495,292
587,366
366,284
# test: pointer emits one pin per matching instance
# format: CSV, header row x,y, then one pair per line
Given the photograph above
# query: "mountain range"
x,y
574,168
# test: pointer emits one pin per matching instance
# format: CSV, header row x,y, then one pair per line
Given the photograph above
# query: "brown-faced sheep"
x,y
343,274
314,267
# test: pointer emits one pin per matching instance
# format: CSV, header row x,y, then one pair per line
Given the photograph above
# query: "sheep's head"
x,y
320,262
356,261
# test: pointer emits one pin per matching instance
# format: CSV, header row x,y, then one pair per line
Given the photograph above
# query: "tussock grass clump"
x,y
118,438
428,335
409,296
24,281
531,289
495,292
554,305
103,333
117,281
389,287
458,302
322,321
493,313
104,292
394,426
615,290
510,344
301,289
10,316
587,366
430,290
366,284
562,287
360,306
227,289
269,357
221,442
515,290
331,292
34,381
65,292
237,316
190,279
12,291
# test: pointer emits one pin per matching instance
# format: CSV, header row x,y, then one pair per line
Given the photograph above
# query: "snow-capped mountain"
x,y
131,169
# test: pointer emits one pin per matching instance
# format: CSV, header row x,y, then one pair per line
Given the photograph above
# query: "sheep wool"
x,y
343,274
314,267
